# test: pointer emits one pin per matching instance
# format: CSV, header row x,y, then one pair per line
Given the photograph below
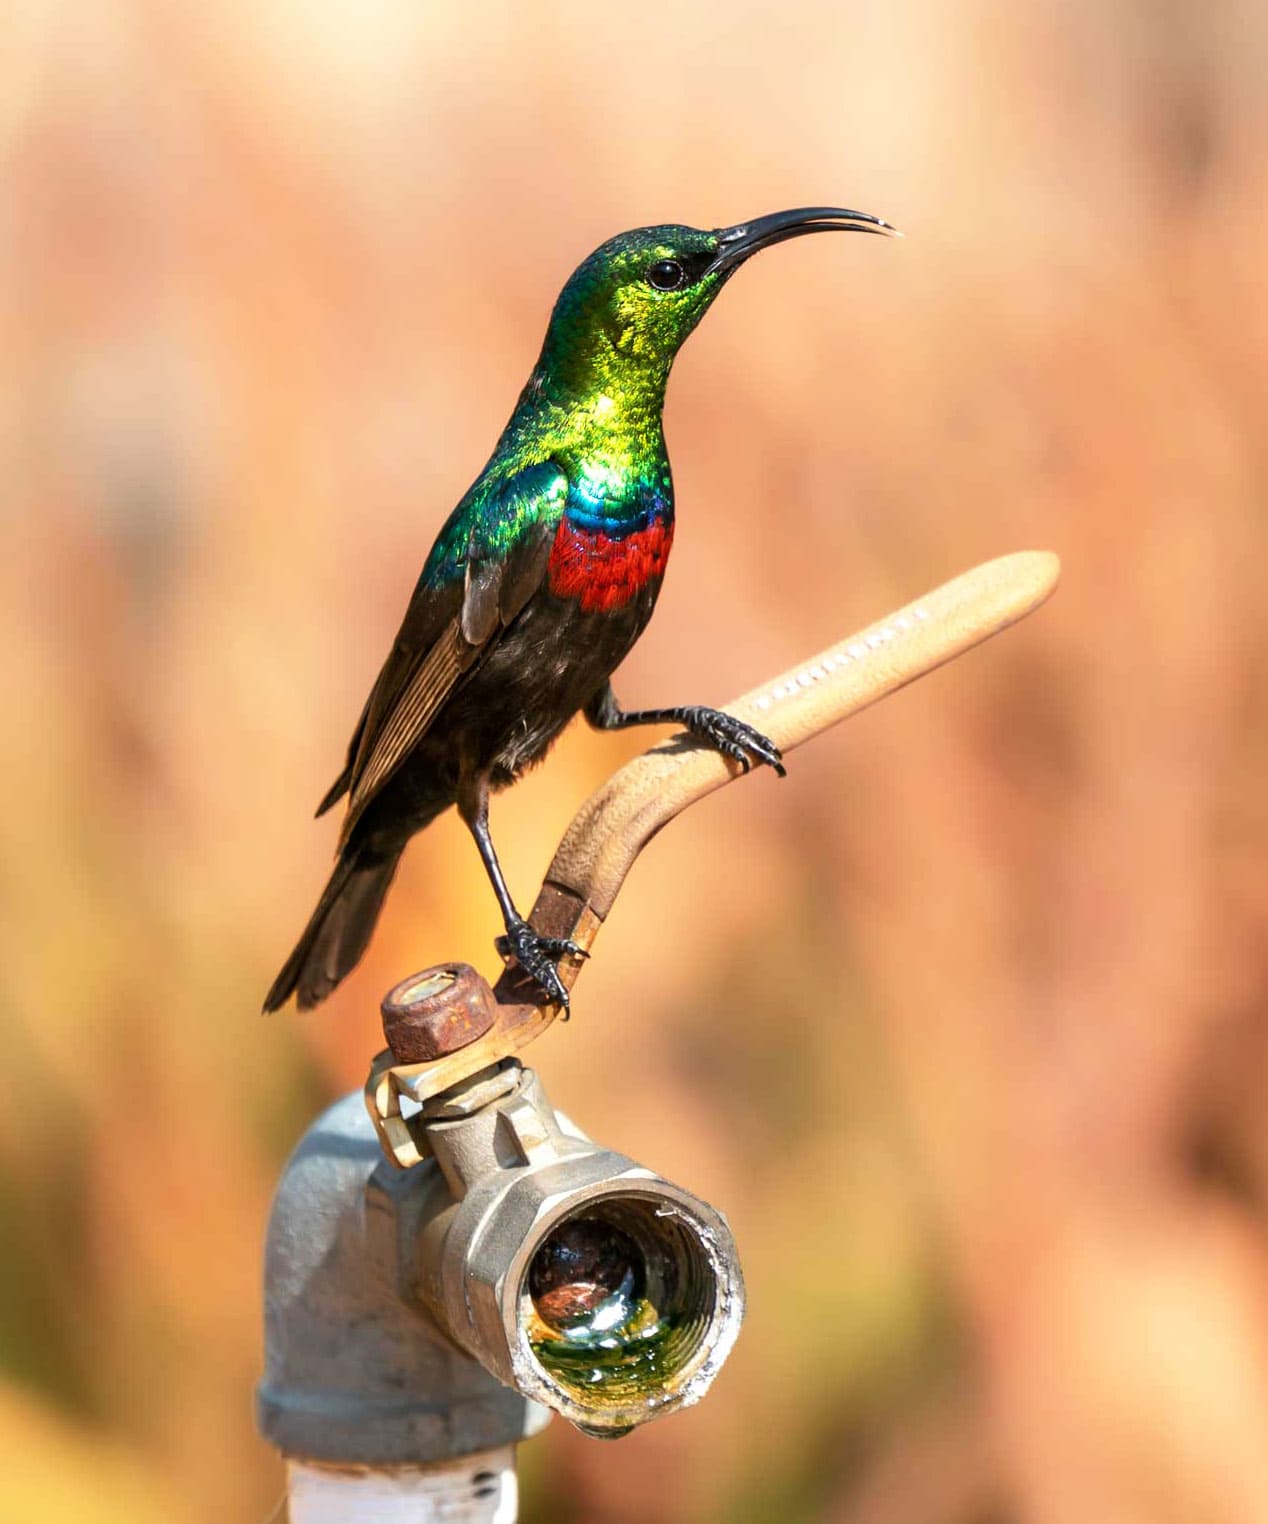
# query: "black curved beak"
x,y
737,243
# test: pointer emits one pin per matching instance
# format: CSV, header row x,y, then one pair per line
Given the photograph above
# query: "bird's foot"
x,y
537,956
732,737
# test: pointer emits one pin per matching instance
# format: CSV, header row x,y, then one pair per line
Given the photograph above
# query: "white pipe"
x,y
478,1489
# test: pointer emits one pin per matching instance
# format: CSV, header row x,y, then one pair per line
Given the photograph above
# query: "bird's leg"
x,y
732,737
535,953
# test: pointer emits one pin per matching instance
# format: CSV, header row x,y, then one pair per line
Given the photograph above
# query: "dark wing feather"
x,y
480,616
429,614
525,569
406,722
339,787
420,674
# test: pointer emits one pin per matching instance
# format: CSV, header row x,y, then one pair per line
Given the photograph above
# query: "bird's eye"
x,y
666,275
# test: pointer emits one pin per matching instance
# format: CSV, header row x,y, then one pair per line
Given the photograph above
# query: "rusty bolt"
x,y
436,1012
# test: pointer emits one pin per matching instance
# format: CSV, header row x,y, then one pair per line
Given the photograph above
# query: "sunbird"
x,y
540,581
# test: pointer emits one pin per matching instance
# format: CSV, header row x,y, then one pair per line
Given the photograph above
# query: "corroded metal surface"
x,y
436,1012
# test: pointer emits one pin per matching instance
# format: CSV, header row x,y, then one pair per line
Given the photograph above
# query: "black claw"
x,y
734,738
537,954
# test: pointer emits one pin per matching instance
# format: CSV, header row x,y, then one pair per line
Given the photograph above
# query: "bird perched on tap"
x,y
539,583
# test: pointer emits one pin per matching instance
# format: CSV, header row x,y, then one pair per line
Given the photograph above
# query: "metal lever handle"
x,y
617,822
622,816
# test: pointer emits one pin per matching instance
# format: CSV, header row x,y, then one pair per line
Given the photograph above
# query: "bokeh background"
x,y
966,1024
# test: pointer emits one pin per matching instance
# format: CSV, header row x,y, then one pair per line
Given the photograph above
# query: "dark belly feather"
x,y
509,709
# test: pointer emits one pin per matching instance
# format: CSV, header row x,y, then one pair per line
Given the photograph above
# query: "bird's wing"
x,y
339,787
430,612
499,563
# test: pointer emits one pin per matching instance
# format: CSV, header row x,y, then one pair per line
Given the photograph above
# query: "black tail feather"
x,y
337,934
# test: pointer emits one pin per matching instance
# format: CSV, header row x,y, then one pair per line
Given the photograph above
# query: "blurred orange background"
x,y
965,1026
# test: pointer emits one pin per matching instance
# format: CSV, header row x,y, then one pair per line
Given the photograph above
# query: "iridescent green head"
x,y
626,310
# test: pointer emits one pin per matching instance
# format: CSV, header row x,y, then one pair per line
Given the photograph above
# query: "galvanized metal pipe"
x,y
478,1489
356,1372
